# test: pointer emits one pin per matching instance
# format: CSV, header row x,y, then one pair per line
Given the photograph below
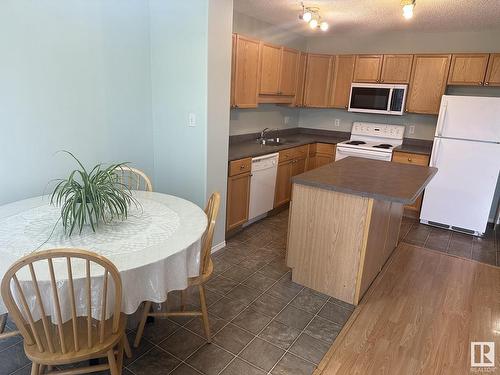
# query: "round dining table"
x,y
155,249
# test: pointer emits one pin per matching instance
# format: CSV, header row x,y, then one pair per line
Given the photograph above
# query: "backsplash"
x,y
424,125
244,121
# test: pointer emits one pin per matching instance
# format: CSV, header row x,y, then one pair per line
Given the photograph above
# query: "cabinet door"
x,y
270,60
283,183
493,73
427,83
416,159
396,69
367,68
233,68
238,198
341,81
301,76
323,159
317,86
468,69
289,70
246,80
298,166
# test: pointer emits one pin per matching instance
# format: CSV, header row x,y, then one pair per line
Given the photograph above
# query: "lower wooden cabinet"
x,y
320,154
238,193
292,162
283,183
417,159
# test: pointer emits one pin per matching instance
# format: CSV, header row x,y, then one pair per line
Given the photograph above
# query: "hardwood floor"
x,y
419,317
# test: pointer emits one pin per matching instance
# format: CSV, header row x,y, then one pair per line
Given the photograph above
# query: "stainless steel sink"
x,y
272,141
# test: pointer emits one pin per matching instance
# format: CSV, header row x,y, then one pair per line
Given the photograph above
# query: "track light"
x,y
408,6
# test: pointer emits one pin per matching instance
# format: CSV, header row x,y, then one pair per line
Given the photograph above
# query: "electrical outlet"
x,y
412,129
286,120
337,123
192,119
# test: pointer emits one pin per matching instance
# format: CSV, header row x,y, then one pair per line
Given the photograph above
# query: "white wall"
x,y
179,87
75,76
219,89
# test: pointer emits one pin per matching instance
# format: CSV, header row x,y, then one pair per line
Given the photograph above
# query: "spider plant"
x,y
92,197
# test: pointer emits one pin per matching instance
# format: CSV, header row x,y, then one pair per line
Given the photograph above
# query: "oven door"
x,y
342,153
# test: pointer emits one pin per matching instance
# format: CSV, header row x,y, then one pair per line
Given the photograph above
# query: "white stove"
x,y
372,141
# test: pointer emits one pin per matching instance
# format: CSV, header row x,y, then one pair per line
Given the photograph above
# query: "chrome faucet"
x,y
263,133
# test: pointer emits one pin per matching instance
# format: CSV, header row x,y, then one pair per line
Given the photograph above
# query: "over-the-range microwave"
x,y
377,98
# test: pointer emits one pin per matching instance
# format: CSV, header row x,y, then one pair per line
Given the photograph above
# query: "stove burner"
x,y
383,145
355,143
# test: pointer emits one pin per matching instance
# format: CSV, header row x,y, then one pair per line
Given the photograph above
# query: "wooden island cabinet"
x,y
344,222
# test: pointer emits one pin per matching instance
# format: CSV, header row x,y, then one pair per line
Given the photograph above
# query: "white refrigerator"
x,y
466,152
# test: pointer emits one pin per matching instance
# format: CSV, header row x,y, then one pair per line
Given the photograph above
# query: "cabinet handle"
x,y
409,159
345,106
479,83
486,83
242,167
381,80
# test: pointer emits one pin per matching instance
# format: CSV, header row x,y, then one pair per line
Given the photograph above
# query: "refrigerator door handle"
x,y
441,119
435,153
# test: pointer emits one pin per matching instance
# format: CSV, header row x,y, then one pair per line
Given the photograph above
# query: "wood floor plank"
x,y
419,317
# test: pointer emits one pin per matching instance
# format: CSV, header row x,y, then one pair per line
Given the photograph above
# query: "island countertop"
x,y
376,179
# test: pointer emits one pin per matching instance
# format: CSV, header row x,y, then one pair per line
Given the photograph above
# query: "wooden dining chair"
x,y
134,178
5,334
206,269
48,340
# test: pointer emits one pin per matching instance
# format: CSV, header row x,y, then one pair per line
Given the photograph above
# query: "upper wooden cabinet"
x,y
247,72
468,69
233,63
367,68
316,88
270,69
279,66
383,68
427,83
288,72
301,77
493,73
341,81
396,69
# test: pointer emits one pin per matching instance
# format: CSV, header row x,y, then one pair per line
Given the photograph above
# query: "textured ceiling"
x,y
378,15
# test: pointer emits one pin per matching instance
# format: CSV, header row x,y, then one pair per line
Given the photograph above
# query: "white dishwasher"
x,y
262,183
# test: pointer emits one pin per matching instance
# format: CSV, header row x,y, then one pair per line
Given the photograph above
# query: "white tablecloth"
x,y
156,249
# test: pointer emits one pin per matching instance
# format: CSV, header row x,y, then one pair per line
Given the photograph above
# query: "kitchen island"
x,y
344,222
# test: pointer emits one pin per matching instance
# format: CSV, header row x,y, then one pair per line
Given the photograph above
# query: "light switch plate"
x,y
337,123
192,119
412,129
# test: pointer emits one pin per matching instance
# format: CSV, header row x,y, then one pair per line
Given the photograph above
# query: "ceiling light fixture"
x,y
312,17
408,6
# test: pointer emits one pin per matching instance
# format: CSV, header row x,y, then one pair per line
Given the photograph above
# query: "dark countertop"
x,y
245,146
376,179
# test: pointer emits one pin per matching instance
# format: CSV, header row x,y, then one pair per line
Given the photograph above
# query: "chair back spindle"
x,y
134,178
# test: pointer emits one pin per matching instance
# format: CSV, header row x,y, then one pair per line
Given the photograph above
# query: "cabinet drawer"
x,y
293,153
240,166
409,158
325,148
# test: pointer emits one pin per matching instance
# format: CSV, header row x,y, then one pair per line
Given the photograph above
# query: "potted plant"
x,y
89,198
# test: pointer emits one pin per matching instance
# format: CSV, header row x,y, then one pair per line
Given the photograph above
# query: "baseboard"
x,y
218,246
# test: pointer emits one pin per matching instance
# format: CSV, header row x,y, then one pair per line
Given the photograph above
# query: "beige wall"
x,y
406,42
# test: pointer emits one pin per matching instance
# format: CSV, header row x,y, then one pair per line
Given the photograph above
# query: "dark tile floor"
x,y
485,249
262,322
